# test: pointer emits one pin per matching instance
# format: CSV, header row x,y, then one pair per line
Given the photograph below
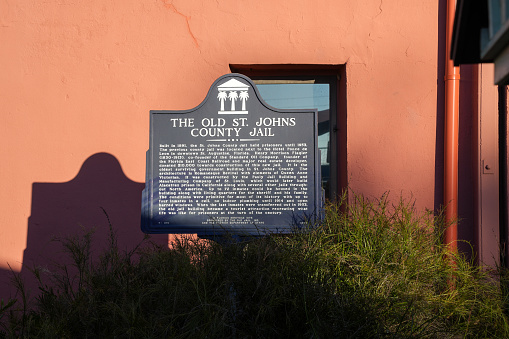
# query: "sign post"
x,y
231,165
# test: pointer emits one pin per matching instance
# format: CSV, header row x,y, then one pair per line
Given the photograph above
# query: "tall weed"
x,y
370,269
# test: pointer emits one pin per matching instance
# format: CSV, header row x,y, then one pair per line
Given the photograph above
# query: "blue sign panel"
x,y
233,164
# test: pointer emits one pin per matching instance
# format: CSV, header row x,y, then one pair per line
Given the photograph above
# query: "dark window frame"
x,y
335,76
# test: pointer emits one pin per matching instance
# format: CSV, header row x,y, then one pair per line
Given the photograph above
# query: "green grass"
x,y
371,269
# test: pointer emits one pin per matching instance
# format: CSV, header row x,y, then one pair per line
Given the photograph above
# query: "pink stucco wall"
x,y
79,77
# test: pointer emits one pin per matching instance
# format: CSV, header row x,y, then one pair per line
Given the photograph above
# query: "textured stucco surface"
x,y
79,77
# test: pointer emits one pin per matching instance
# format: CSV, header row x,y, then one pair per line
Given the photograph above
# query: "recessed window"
x,y
292,86
289,94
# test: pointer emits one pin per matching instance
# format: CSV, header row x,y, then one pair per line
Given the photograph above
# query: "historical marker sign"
x,y
232,164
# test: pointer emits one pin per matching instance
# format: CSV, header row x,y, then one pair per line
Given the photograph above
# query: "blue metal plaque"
x,y
233,164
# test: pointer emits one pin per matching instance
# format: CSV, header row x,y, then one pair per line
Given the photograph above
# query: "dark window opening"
x,y
308,86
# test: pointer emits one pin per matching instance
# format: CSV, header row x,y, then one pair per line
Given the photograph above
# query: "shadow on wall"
x,y
68,209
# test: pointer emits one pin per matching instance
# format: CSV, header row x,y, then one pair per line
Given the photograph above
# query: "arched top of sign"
x,y
233,94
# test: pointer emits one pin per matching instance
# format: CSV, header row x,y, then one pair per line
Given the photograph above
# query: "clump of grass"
x,y
370,269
